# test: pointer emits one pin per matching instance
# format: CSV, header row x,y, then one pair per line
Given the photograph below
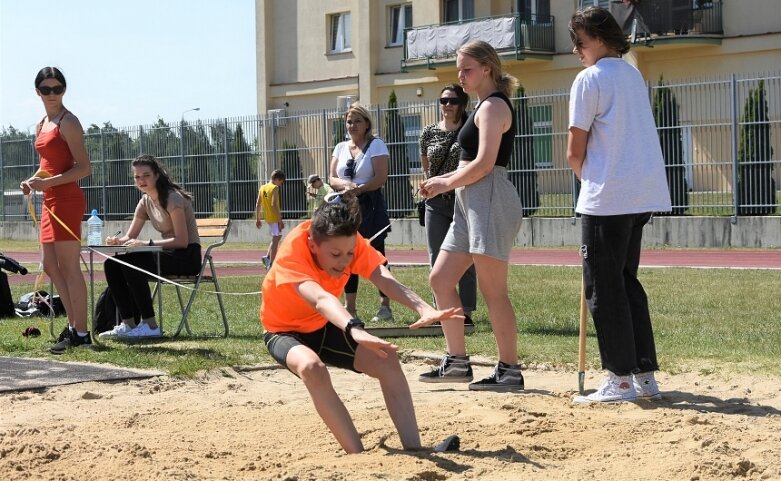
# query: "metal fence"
x,y
721,139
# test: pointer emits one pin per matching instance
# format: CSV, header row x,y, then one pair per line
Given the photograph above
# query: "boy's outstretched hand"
x,y
434,316
374,343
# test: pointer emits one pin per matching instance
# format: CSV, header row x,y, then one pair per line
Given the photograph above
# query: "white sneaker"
x,y
645,386
120,330
613,389
143,330
383,314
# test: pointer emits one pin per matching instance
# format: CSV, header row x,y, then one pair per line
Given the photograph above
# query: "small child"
x,y
270,204
307,326
316,192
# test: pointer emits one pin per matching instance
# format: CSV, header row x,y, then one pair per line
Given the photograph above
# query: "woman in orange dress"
x,y
60,143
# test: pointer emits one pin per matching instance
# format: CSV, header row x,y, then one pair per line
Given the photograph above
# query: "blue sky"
x,y
129,62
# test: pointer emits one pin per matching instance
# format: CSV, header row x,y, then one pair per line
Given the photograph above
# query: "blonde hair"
x,y
357,108
485,54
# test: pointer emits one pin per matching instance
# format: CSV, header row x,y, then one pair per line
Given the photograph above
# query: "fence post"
x,y
227,168
326,159
104,198
379,121
2,180
273,121
734,141
181,148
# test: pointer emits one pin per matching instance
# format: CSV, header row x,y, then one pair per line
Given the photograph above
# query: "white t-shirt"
x,y
623,172
364,171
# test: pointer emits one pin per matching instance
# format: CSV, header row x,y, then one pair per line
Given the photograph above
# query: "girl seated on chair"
x,y
169,209
307,326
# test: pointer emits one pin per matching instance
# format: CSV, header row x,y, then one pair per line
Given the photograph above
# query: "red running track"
x,y
712,258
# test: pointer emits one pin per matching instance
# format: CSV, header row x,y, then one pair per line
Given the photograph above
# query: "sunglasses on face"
x,y
56,90
449,100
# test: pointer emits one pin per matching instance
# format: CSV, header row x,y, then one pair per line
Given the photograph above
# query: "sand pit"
x,y
260,424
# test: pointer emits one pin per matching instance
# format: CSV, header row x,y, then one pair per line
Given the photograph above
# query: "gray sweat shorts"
x,y
487,217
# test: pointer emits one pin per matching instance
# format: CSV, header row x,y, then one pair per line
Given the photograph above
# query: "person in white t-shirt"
x,y
613,148
360,165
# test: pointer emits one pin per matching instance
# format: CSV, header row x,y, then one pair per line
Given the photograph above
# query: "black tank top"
x,y
469,137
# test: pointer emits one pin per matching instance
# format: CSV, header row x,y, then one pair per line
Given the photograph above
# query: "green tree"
x,y
522,170
756,186
111,153
162,141
243,175
666,114
198,165
398,190
293,193
18,158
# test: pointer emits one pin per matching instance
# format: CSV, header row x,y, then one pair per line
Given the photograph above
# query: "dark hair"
x,y
164,183
278,174
462,96
340,217
50,72
597,22
485,54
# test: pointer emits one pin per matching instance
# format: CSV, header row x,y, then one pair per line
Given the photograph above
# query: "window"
x,y
340,35
411,125
400,18
542,131
538,10
595,3
458,10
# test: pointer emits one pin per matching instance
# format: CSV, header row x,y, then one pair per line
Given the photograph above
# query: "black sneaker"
x,y
71,340
65,333
505,378
451,369
468,320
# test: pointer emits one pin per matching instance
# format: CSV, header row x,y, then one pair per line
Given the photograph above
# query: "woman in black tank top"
x,y
486,220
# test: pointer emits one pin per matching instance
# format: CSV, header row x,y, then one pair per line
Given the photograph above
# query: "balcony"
x,y
517,35
670,21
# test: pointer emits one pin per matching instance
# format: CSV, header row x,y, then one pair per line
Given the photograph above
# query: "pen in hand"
x,y
113,239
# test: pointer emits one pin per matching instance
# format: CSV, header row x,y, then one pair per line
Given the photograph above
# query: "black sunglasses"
x,y
350,170
56,90
449,100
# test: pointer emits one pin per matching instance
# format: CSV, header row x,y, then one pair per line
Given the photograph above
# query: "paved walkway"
x,y
247,263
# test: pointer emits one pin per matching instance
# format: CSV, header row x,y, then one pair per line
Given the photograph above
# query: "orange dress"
x,y
66,201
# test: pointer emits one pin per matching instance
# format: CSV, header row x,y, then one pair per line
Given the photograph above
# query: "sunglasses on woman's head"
x,y
56,90
449,100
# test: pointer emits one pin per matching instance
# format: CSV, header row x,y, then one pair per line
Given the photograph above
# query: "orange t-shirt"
x,y
283,309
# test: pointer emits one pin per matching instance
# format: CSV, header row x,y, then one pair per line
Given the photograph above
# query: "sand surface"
x,y
260,424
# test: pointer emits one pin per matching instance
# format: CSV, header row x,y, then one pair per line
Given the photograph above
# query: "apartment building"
x,y
312,54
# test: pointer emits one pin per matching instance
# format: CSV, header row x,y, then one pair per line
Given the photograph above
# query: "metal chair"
x,y
217,229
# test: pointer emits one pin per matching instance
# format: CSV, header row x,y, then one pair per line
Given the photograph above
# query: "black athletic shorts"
x,y
330,343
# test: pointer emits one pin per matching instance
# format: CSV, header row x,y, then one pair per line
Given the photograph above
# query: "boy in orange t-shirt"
x,y
307,326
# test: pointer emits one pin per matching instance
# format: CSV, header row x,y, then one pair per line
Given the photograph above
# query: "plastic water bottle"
x,y
94,229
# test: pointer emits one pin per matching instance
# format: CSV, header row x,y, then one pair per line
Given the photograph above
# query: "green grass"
x,y
704,320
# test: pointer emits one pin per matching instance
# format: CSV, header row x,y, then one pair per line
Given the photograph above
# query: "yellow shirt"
x,y
266,195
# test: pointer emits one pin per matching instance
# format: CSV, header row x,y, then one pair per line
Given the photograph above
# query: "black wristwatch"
x,y
353,323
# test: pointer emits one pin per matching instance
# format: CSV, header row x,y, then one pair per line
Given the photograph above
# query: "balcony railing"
x,y
668,18
519,34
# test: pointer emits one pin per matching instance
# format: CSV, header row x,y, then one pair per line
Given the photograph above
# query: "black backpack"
x,y
106,314
6,301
